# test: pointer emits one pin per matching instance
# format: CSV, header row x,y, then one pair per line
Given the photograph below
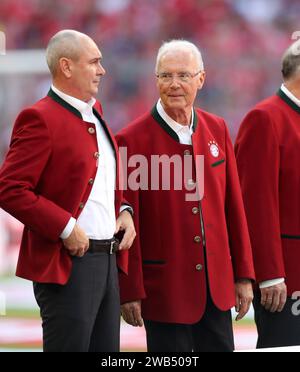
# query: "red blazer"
x,y
46,179
268,158
167,264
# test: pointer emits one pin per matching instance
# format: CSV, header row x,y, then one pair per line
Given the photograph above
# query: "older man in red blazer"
x,y
59,180
192,259
268,157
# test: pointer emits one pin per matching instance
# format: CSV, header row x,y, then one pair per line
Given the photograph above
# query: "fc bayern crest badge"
x,y
214,148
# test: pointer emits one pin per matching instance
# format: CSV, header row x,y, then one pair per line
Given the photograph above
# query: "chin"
x,y
176,106
176,101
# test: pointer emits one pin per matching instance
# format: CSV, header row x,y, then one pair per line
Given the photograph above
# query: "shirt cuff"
x,y
68,229
126,207
271,283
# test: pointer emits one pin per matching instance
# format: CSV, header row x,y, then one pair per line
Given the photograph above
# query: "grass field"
x,y
21,331
20,328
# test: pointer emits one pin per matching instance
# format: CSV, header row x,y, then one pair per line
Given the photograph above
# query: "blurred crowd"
x,y
241,41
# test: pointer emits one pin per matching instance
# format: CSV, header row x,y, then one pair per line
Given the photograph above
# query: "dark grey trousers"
x,y
213,333
276,329
84,314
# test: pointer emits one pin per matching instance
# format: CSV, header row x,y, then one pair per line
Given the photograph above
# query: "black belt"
x,y
107,246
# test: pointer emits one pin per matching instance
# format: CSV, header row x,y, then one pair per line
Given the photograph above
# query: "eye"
x,y
183,75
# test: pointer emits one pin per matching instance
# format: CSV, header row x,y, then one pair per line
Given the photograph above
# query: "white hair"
x,y
179,45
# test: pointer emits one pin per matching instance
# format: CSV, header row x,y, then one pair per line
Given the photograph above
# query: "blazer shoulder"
x,y
262,118
265,111
209,115
136,128
34,111
40,109
211,118
214,123
268,106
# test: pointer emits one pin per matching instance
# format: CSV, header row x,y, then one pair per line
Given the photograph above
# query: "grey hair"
x,y
63,44
291,61
179,45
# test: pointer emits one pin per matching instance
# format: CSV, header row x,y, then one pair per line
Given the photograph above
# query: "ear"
x,y
201,80
65,66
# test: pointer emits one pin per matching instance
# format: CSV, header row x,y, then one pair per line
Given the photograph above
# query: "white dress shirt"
x,y
98,218
290,95
184,133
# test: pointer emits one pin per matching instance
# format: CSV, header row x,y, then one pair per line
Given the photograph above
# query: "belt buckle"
x,y
112,244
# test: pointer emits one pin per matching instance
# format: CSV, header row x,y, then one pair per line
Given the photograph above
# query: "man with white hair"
x,y
191,261
59,180
268,157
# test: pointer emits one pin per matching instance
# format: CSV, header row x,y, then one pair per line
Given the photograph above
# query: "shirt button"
x,y
195,210
187,153
91,130
199,267
96,155
81,205
197,239
91,181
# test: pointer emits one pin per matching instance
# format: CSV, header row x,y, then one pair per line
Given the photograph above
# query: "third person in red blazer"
x,y
191,262
268,158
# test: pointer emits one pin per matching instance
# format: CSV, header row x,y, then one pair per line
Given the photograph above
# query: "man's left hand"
x,y
244,297
125,223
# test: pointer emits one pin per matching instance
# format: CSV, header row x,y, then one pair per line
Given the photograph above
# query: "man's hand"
x,y
244,297
77,243
125,223
132,314
273,298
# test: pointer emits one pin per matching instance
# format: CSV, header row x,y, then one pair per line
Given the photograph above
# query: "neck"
x,y
70,91
182,116
293,87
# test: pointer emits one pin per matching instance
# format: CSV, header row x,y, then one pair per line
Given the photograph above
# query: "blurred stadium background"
x,y
241,41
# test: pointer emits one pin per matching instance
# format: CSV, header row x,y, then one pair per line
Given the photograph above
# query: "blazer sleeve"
x,y
237,228
29,152
132,285
258,160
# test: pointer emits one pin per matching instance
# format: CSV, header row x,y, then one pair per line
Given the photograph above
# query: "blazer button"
x,y
195,210
81,205
96,155
197,239
199,267
191,183
187,153
91,181
91,130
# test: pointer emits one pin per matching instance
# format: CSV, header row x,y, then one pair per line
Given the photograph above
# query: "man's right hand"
x,y
132,313
273,298
77,243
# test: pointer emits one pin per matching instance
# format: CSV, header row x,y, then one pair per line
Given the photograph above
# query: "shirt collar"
x,y
177,128
290,95
85,108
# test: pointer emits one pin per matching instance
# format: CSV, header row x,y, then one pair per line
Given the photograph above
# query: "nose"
x,y
101,70
174,82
